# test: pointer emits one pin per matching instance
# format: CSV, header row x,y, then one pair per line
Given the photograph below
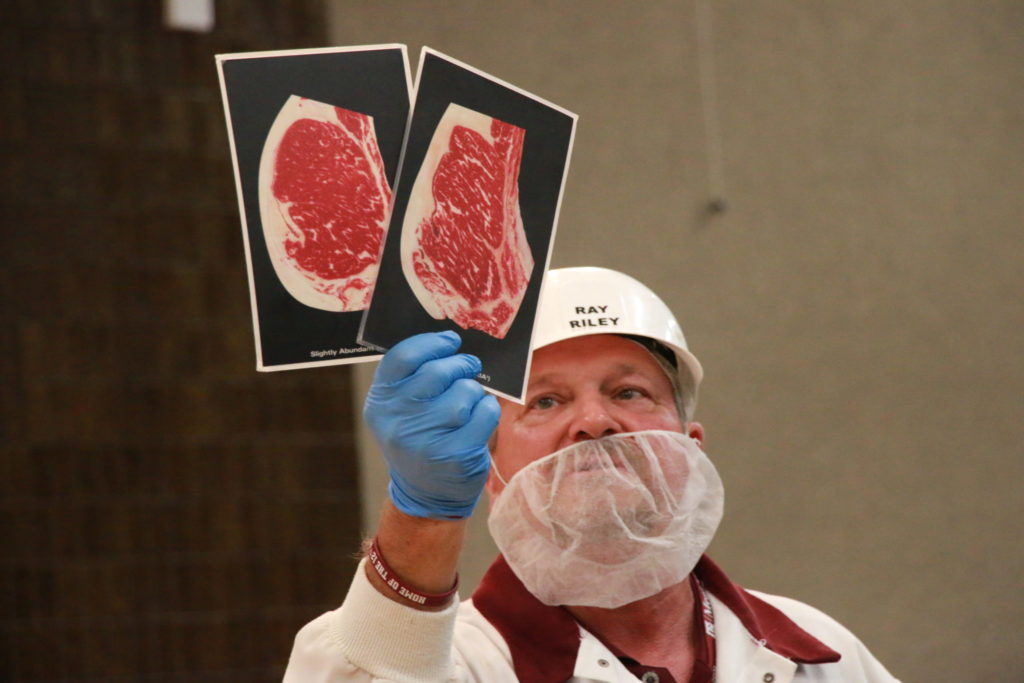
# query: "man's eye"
x,y
630,393
544,402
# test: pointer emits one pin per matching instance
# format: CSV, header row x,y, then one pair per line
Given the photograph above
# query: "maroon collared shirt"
x,y
544,640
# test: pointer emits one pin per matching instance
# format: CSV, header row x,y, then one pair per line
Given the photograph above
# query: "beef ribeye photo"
x,y
324,203
464,250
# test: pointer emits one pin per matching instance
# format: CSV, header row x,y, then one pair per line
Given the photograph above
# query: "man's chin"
x,y
597,494
606,544
631,515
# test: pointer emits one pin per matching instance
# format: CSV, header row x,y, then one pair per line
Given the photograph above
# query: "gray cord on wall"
x,y
709,105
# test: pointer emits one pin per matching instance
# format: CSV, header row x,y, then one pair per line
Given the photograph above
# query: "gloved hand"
x,y
432,421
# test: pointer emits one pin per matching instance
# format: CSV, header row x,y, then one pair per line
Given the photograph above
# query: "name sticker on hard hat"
x,y
599,321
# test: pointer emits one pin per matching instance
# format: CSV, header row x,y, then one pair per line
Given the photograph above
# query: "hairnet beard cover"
x,y
603,523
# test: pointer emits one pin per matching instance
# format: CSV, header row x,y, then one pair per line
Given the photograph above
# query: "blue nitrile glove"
x,y
432,421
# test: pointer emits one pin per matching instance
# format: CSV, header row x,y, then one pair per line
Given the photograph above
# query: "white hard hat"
x,y
579,301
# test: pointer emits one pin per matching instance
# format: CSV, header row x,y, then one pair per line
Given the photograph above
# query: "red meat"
x,y
324,203
464,249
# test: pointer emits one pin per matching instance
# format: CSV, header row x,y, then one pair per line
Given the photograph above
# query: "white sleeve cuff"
x,y
390,640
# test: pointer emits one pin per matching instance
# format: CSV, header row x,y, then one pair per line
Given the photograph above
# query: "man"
x,y
601,502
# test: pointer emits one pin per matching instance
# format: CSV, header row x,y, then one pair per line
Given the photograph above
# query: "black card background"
x,y
371,82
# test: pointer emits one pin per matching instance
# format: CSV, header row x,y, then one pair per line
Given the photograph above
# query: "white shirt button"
x,y
650,677
768,678
602,662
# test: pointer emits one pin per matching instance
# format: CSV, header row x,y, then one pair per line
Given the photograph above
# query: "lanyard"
x,y
707,655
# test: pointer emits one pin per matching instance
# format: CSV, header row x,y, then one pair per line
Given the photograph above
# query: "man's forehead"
x,y
614,369
594,354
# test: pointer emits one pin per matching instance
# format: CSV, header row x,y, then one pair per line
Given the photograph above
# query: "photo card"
x,y
475,211
316,137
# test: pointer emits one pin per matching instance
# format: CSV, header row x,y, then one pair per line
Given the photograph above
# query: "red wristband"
x,y
404,591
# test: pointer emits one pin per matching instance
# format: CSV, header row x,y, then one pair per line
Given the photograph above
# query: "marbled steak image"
x,y
324,203
464,250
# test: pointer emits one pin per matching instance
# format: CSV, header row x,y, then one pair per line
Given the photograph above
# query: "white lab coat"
x,y
372,638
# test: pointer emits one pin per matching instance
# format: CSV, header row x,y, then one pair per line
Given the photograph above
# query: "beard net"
x,y
609,521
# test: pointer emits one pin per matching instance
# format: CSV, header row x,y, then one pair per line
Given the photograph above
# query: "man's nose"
x,y
594,419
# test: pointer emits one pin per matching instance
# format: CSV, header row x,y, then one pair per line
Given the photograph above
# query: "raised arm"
x,y
432,421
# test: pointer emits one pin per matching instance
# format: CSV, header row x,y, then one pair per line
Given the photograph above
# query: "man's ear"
x,y
695,430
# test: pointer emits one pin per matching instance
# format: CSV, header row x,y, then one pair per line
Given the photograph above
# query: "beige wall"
x,y
857,308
